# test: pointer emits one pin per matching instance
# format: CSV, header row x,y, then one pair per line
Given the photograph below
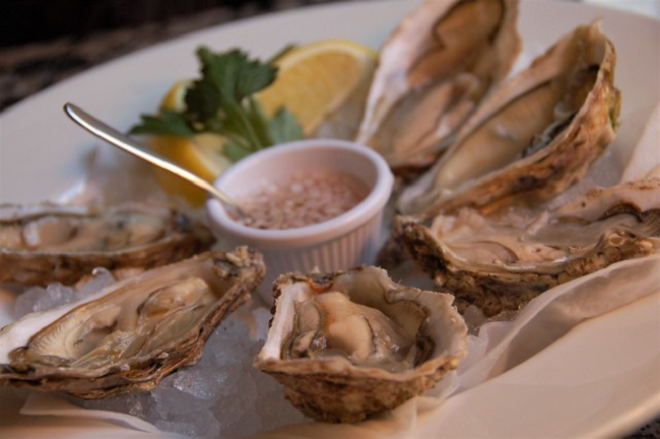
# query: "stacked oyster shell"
x,y
528,140
465,221
132,333
351,344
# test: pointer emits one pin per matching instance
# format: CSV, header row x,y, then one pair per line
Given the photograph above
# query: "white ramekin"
x,y
346,241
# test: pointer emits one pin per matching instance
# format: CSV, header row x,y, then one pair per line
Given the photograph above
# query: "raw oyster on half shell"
x,y
45,243
433,72
502,265
533,137
351,344
131,334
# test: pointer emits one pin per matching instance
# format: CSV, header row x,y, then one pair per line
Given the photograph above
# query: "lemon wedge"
x,y
200,154
175,98
316,79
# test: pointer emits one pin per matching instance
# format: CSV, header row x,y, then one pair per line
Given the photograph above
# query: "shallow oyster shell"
x,y
533,137
45,243
433,71
501,265
333,388
131,334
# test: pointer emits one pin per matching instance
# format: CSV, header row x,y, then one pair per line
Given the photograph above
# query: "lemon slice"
x,y
315,79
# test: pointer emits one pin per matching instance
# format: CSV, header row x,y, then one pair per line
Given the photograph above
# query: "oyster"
x,y
351,344
531,138
41,244
501,265
130,334
433,71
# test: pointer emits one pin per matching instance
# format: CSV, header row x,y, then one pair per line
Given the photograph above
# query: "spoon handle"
x,y
122,141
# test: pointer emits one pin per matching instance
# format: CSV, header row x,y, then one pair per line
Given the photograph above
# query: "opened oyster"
x,y
351,344
433,71
40,244
532,137
130,334
502,265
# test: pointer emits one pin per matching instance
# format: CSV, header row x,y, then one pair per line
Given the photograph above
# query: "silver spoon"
x,y
122,141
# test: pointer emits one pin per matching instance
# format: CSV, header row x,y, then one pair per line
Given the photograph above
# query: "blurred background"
x,y
45,41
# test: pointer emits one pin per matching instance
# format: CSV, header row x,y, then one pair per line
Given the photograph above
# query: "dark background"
x,y
24,21
45,41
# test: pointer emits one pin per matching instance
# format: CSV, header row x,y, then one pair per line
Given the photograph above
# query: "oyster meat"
x,y
41,244
532,137
501,265
433,71
131,334
351,344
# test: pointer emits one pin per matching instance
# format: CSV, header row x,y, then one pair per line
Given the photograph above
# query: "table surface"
x,y
28,68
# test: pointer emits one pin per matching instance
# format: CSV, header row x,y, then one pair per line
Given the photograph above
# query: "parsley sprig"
x,y
222,101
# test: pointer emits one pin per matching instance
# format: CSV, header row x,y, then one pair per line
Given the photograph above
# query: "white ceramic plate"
x,y
42,156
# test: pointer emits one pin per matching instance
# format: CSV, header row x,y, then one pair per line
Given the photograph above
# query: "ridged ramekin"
x,y
343,242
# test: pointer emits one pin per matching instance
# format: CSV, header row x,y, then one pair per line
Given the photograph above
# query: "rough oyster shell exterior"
x,y
332,388
97,347
176,237
605,226
582,61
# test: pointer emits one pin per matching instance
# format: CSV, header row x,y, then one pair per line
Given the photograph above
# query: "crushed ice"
x,y
37,299
221,395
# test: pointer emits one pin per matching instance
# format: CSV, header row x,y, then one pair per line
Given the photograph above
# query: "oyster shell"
x,y
351,344
433,71
41,244
531,138
501,265
131,334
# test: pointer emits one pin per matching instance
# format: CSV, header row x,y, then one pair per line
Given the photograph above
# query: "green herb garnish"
x,y
223,102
